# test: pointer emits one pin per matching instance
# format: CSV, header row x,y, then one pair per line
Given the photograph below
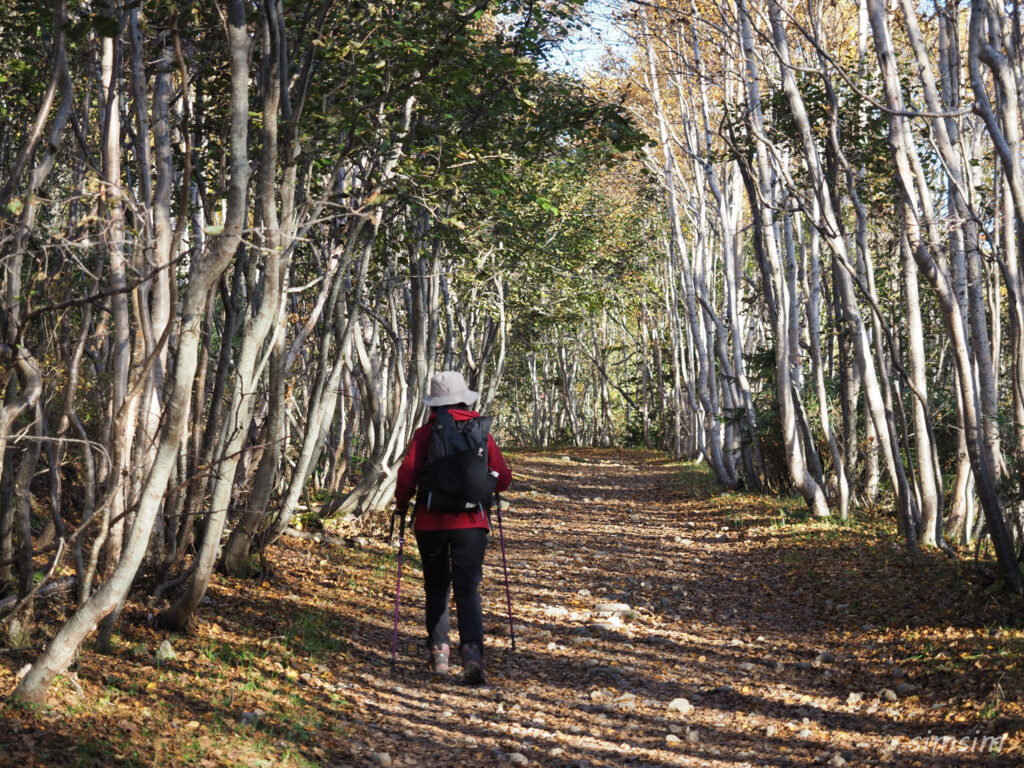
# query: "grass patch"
x,y
231,654
696,480
316,634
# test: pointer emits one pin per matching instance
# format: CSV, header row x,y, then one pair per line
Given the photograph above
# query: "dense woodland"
x,y
238,238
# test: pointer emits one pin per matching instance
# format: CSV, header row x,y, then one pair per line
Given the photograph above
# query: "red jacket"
x,y
413,464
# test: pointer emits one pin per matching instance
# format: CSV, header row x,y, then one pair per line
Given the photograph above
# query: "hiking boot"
x,y
472,664
439,659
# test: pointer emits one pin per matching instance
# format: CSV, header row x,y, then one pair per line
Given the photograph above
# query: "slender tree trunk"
x,y
924,242
771,266
204,274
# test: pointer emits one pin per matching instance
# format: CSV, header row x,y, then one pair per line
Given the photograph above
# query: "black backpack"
x,y
456,476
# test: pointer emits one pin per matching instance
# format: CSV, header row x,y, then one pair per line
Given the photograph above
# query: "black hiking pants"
x,y
453,561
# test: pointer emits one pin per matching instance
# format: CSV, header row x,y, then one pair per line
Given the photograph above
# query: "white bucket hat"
x,y
449,388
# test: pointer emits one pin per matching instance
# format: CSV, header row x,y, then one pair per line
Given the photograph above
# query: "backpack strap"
x,y
445,421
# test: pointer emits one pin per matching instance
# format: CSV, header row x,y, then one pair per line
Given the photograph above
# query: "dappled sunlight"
x,y
709,621
659,622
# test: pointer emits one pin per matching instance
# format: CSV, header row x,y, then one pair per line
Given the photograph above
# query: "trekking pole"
x,y
504,565
398,585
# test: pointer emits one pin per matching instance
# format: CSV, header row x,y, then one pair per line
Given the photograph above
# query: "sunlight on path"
x,y
645,636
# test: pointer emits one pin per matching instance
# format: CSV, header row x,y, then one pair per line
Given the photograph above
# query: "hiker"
x,y
452,537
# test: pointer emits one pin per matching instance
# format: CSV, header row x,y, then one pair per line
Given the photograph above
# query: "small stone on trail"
x,y
680,705
825,657
382,758
905,689
889,695
804,733
517,758
166,652
746,666
556,752
855,697
251,718
583,592
769,731
692,736
673,739
837,760
606,672
613,608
